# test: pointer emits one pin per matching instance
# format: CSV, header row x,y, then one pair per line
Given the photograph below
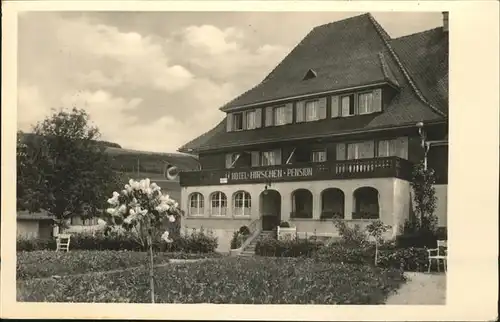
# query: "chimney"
x,y
445,21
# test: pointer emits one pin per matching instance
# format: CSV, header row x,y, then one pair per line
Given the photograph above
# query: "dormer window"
x,y
312,111
311,73
365,103
238,121
347,103
247,120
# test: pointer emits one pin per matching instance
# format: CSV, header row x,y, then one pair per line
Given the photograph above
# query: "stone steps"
x,y
250,248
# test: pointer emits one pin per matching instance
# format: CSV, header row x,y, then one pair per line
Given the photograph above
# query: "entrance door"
x,y
270,209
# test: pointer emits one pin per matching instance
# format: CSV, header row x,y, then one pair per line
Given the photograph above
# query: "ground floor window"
x,y
332,203
242,203
218,203
302,200
366,205
196,204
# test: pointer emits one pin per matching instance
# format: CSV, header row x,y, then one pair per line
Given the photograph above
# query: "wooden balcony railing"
x,y
350,169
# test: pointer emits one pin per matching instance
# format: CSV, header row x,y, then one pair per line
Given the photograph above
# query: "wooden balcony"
x,y
389,167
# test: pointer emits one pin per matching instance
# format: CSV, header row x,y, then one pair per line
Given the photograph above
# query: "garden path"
x,y
421,288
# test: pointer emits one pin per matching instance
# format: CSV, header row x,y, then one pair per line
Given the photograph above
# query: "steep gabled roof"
x,y
425,56
343,54
352,52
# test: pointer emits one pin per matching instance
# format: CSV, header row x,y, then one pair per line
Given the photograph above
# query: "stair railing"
x,y
255,228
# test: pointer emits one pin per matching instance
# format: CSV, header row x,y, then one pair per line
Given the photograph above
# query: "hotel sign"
x,y
271,174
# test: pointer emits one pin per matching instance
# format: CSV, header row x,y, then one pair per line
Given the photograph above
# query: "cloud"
x,y
32,106
143,91
139,60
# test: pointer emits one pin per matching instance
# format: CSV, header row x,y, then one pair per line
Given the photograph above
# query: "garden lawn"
x,y
38,264
256,280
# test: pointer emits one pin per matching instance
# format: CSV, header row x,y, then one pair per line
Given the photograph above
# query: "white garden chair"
x,y
62,241
438,254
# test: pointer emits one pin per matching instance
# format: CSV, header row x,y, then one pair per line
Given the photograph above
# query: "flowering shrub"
x,y
354,237
142,208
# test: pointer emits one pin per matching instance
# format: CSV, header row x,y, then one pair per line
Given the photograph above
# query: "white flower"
x,y
165,237
122,209
101,222
132,212
125,192
171,218
111,211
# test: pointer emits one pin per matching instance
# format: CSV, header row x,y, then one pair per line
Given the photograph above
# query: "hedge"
x,y
286,248
197,242
230,280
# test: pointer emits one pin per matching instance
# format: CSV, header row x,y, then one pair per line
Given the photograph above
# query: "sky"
x,y
153,81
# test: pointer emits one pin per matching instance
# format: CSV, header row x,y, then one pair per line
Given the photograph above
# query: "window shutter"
x,y
382,148
401,147
340,151
255,158
228,160
288,113
322,108
269,116
258,117
377,100
245,116
277,156
335,106
229,122
368,149
300,112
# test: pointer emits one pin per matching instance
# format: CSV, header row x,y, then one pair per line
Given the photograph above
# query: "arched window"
x,y
366,204
196,204
242,203
218,204
332,204
302,200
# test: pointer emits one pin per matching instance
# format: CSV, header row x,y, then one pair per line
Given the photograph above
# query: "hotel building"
x,y
333,131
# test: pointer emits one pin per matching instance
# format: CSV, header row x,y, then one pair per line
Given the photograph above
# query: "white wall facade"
x,y
394,205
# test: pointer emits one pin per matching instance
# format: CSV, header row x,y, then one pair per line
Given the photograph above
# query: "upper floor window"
x,y
231,159
279,115
365,103
270,157
319,156
312,111
238,121
246,120
250,119
361,150
347,103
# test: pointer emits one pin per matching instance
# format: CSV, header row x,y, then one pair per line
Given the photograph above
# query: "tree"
x,y
377,229
141,209
61,168
424,197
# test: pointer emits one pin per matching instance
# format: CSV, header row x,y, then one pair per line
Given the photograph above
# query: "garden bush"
x,y
34,244
244,230
409,259
237,240
340,252
37,264
284,224
229,280
286,248
198,242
